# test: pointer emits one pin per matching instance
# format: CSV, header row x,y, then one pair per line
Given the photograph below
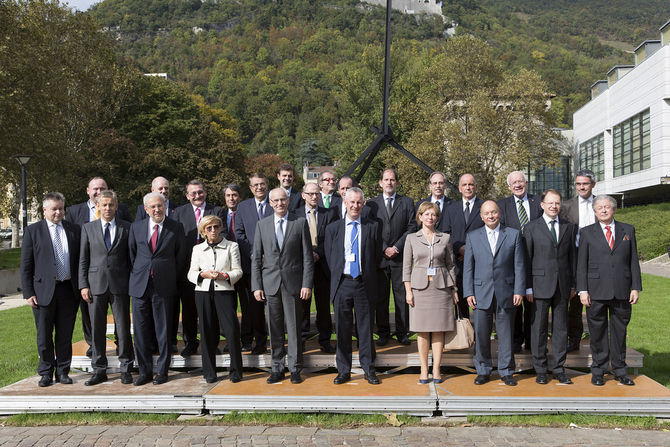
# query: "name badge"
x,y
430,271
351,257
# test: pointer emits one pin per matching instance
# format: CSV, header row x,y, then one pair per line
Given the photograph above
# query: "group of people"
x,y
514,260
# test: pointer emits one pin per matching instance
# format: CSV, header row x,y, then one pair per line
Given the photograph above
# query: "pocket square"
x,y
626,237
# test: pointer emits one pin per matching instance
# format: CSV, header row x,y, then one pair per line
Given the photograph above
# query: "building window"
x,y
592,156
632,148
557,178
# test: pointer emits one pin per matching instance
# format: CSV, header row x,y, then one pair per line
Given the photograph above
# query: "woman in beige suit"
x,y
429,277
215,268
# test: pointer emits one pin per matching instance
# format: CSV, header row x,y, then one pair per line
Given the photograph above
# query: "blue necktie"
x,y
261,214
107,237
280,233
354,268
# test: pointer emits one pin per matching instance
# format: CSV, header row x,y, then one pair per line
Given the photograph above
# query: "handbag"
x,y
463,337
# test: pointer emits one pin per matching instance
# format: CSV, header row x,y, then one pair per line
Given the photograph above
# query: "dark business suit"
x,y
354,294
442,223
153,286
321,277
608,276
107,273
551,274
281,272
80,214
253,312
189,316
295,200
142,214
493,280
57,301
457,228
335,203
394,228
509,217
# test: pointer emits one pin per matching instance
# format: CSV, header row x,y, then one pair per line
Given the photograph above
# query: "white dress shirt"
x,y
91,211
472,203
112,228
152,224
492,236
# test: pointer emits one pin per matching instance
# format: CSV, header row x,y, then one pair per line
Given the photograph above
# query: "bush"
x,y
651,227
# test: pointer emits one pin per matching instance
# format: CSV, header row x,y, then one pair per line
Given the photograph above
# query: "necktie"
x,y
97,213
107,237
59,254
197,221
439,208
354,267
154,238
608,234
326,201
231,228
312,227
260,211
280,233
553,230
492,242
466,213
523,217
389,209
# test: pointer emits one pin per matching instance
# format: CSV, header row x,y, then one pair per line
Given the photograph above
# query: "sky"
x,y
81,5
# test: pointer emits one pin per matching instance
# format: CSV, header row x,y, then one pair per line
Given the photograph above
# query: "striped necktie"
x,y
523,217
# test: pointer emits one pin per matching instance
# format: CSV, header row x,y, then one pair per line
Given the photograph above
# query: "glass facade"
x,y
558,178
592,156
631,144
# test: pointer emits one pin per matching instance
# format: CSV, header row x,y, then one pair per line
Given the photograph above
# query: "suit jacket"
x,y
102,270
371,254
442,223
141,214
551,263
323,218
38,263
509,216
457,227
416,261
79,213
608,274
166,262
186,217
271,266
335,203
246,219
227,260
395,227
570,211
295,201
486,275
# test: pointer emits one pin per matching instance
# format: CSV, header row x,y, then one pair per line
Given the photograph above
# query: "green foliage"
x,y
651,228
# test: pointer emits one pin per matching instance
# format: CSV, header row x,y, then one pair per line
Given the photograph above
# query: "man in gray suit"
x,y
104,270
494,282
282,253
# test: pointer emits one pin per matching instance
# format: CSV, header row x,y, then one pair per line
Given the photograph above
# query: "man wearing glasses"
x,y
329,198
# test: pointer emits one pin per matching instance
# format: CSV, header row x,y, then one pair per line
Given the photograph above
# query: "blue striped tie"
x,y
523,217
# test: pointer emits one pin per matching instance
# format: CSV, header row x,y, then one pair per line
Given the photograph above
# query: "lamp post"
x,y
23,161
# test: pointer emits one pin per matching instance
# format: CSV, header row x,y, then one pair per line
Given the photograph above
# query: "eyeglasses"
x,y
212,227
196,193
328,179
312,193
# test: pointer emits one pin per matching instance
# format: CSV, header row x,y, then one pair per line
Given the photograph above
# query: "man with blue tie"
x,y
353,249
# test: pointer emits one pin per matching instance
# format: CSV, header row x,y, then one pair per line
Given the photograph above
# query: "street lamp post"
x,y
23,161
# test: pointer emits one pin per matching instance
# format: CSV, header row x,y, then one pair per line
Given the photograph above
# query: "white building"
x,y
623,133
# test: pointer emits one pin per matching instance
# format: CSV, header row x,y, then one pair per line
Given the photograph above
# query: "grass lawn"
x,y
10,258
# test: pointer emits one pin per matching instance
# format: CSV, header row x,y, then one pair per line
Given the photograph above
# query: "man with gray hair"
x,y
609,282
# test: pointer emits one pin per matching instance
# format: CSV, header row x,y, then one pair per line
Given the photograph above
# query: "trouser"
x,y
285,310
608,335
121,311
540,329
152,311
391,276
253,314
483,319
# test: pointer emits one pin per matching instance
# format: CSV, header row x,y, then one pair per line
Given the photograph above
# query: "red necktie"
x,y
608,234
197,221
154,238
231,230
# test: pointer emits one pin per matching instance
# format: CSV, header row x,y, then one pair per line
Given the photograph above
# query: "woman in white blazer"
x,y
215,268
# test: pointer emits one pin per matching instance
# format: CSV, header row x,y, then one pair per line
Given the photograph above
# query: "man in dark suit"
x,y
517,211
318,218
329,198
189,216
104,270
494,283
353,251
49,261
162,186
80,214
249,212
462,217
158,253
609,282
552,259
395,214
579,211
286,175
437,183
282,271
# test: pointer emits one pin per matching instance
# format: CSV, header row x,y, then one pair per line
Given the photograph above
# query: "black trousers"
x,y
575,322
351,295
522,323
608,321
189,315
86,327
121,310
54,324
391,277
324,323
540,330
253,314
217,312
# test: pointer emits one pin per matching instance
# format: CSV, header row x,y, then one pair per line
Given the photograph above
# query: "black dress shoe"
x,y
126,378
597,380
404,340
45,381
542,379
64,379
173,349
563,379
246,348
258,350
342,378
383,340
372,379
142,380
295,378
275,377
327,348
160,379
95,380
573,346
211,379
481,379
190,349
235,379
89,352
624,380
509,380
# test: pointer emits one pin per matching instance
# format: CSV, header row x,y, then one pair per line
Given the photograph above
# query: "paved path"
x,y
424,436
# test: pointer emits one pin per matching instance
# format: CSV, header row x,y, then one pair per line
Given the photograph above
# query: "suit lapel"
x,y
562,229
502,234
545,230
618,235
484,239
290,223
117,236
